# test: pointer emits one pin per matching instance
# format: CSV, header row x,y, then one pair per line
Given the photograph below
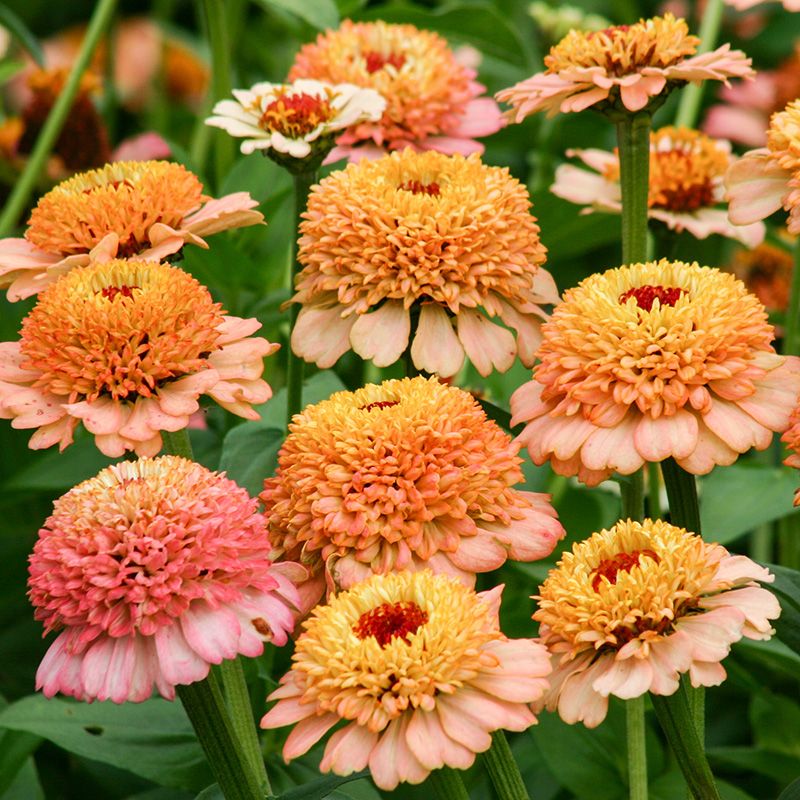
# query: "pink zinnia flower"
x,y
626,66
652,361
632,608
685,190
417,666
128,209
433,101
743,5
408,474
765,180
153,571
127,347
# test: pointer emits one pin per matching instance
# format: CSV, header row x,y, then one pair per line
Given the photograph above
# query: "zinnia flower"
x,y
153,571
631,608
298,119
408,474
143,209
433,101
764,180
686,172
127,347
767,273
625,64
425,234
418,667
651,361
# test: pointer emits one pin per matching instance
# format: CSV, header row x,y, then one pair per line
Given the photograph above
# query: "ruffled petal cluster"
x,y
417,667
432,101
405,475
623,67
289,118
632,608
445,240
153,570
128,209
768,179
685,189
652,361
127,348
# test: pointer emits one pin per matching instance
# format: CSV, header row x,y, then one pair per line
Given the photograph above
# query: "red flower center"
x,y
645,295
417,187
379,404
609,567
390,620
110,292
376,61
296,115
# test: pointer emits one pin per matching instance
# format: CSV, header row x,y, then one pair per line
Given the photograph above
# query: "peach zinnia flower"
x,y
686,172
441,237
651,361
631,608
407,474
154,570
767,273
144,209
127,347
433,101
622,67
765,180
417,666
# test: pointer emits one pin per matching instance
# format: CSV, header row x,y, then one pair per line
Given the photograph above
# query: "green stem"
x,y
503,770
637,750
55,119
675,717
243,722
206,710
633,140
632,491
692,95
791,338
217,29
303,182
653,491
447,784
178,443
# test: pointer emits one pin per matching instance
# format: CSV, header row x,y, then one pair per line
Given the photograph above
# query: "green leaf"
x,y
320,14
153,739
777,766
791,792
776,721
320,788
727,509
17,28
25,785
212,792
786,587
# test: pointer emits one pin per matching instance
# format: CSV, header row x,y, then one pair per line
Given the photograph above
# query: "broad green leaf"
x,y
17,28
728,505
153,739
791,792
320,14
320,788
776,721
777,766
25,785
787,589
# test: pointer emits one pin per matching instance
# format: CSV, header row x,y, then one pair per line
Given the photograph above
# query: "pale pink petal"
x,y
758,605
306,733
713,633
179,663
626,678
213,633
755,187
613,448
481,117
707,673
661,437
578,701
433,748
225,213
735,427
147,146
321,335
480,553
348,750
382,335
436,348
740,124
487,345
528,328
526,402
450,145
586,188
710,452
287,712
391,760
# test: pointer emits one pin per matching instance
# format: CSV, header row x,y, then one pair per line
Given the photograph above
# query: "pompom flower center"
x,y
418,187
376,61
126,198
783,136
297,115
621,562
379,404
389,621
646,295
625,49
119,329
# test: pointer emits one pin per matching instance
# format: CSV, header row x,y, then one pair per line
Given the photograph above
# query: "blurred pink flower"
x,y
743,5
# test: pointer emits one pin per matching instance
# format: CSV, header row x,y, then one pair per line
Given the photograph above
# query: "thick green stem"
x,y
637,749
446,784
303,182
503,770
653,491
791,337
633,140
178,443
675,716
216,19
55,119
692,95
206,710
632,491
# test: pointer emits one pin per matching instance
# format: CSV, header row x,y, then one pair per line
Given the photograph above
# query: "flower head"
x,y
686,172
626,67
767,272
297,120
433,102
417,666
651,361
127,347
441,236
631,608
152,571
408,474
129,209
